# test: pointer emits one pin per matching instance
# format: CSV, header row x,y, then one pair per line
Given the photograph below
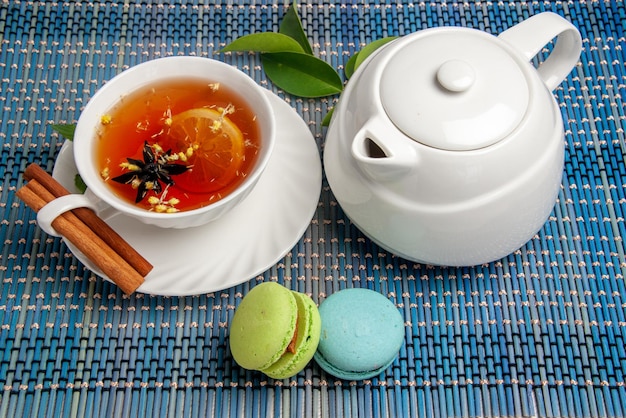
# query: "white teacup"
x,y
102,198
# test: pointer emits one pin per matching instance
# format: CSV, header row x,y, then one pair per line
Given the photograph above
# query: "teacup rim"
x,y
91,113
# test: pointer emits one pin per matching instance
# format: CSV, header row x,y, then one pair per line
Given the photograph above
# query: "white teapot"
x,y
446,146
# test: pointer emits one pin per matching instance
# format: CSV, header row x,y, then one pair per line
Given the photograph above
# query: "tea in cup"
x,y
174,142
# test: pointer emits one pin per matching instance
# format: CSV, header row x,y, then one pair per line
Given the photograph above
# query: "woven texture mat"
x,y
541,332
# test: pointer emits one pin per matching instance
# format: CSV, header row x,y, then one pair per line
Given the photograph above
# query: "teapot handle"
x,y
529,36
381,153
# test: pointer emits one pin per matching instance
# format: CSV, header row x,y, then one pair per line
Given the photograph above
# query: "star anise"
x,y
156,168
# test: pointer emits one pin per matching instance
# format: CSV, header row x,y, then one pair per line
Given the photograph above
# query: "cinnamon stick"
x,y
91,245
101,228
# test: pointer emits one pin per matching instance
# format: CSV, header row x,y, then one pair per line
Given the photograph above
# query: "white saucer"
x,y
241,244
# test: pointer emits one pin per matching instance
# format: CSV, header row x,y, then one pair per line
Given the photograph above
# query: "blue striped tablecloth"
x,y
539,333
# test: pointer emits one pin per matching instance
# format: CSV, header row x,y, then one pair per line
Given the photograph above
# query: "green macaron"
x,y
275,330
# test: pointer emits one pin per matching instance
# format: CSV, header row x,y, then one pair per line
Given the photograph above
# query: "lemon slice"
x,y
212,145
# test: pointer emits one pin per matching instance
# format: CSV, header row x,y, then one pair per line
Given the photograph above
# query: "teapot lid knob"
x,y
456,75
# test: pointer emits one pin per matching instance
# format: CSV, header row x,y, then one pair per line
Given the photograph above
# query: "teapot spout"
x,y
383,157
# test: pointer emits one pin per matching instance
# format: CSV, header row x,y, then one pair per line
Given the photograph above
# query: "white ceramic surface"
x,y
243,242
447,144
146,73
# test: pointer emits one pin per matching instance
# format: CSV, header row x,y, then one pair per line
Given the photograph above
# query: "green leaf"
x,y
349,67
328,117
79,183
264,42
292,27
301,74
370,48
65,130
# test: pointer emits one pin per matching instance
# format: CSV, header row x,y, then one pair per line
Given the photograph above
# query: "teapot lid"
x,y
454,89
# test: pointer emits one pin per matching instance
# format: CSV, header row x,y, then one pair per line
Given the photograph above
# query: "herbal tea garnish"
x,y
66,130
357,59
146,175
288,61
217,145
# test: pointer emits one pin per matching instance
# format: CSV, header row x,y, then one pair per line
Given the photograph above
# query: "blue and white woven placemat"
x,y
541,332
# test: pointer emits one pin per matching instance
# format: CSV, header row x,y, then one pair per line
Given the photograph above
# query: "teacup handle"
x,y
49,212
529,36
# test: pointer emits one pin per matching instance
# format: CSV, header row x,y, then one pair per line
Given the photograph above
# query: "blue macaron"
x,y
362,332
